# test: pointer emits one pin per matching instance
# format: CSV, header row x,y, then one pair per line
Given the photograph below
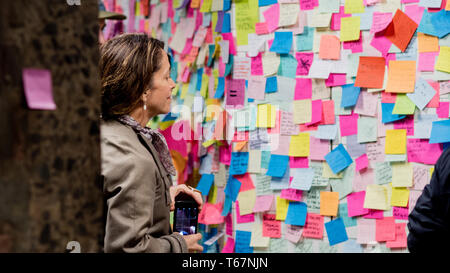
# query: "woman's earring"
x,y
145,106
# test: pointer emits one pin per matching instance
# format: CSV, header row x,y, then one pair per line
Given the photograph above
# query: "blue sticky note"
x,y
220,88
211,51
282,42
242,242
336,231
226,206
205,183
277,165
352,246
263,3
239,163
350,94
305,40
288,66
229,65
232,188
226,25
386,115
296,214
199,78
226,5
271,84
435,23
338,159
174,72
281,183
440,131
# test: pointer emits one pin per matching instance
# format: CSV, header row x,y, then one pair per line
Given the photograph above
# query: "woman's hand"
x,y
175,190
192,242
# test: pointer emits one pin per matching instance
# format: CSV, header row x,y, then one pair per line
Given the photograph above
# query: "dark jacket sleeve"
x,y
428,222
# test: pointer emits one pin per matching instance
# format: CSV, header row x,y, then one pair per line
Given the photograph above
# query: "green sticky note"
x,y
403,105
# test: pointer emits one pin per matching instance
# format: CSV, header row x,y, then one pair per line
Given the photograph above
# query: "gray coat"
x,y
136,189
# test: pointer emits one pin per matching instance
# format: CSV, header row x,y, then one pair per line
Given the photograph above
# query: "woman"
x,y
136,163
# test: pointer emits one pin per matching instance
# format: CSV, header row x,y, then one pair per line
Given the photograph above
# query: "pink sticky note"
x,y
298,162
308,4
271,227
261,28
409,1
304,62
355,202
362,179
211,214
256,65
291,194
272,16
230,38
229,246
414,12
348,124
374,214
355,46
235,93
362,162
248,218
406,123
225,154
330,47
385,229
434,102
263,203
366,231
427,61
229,224
400,237
303,89
38,89
318,148
443,110
246,182
390,57
335,79
336,19
328,112
256,87
381,43
316,110
180,130
421,151
388,97
380,20
400,213
313,226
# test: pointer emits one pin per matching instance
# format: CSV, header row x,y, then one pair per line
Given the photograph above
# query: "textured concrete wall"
x,y
50,160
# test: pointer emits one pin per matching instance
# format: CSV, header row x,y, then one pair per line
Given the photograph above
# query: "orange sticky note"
x,y
401,76
370,72
329,202
400,30
427,43
330,47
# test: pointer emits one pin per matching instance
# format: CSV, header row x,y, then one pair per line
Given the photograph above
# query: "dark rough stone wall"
x,y
50,193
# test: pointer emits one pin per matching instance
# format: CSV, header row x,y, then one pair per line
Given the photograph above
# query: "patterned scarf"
x,y
156,138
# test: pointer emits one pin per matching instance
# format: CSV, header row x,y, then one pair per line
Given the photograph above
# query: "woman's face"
x,y
159,97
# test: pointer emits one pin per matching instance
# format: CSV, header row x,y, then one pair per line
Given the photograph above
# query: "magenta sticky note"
x,y
291,194
304,62
256,65
38,88
229,246
303,89
336,19
400,213
427,61
355,203
316,112
354,46
381,43
362,162
443,110
335,79
374,214
298,162
348,124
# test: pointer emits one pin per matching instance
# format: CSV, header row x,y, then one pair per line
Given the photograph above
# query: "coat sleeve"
x,y
130,203
428,222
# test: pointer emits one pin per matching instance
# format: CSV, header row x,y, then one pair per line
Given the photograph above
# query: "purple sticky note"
x,y
236,93
37,84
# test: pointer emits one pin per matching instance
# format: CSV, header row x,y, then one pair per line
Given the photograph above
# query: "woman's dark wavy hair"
x,y
127,65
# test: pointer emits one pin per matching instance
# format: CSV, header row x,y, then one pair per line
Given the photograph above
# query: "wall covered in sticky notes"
x,y
318,121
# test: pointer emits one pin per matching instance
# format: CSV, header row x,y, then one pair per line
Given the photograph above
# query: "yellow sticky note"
x,y
350,28
184,90
257,239
212,195
431,172
206,6
399,197
302,111
246,201
401,76
376,197
443,61
329,203
299,145
354,6
402,174
204,86
175,90
266,116
282,208
403,105
246,16
395,141
427,43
